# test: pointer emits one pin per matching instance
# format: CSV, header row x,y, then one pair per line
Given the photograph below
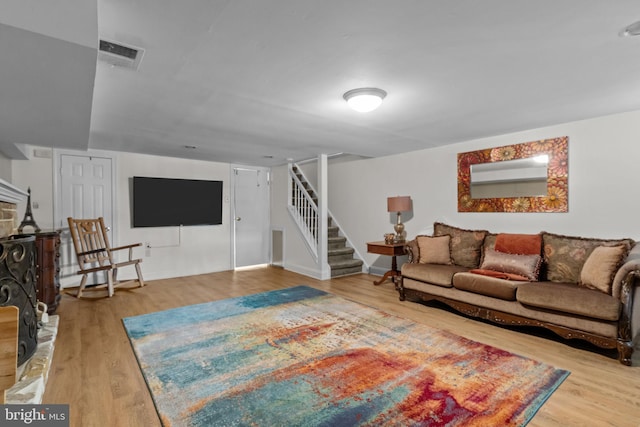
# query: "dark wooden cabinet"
x,y
48,269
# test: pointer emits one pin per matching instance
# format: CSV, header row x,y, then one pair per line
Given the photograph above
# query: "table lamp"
x,y
399,204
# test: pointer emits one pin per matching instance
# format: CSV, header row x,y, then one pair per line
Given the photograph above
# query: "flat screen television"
x,y
166,202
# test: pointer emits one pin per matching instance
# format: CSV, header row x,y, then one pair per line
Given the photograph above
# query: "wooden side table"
x,y
391,249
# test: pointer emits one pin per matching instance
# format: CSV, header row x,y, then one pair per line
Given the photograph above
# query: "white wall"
x,y
191,250
602,196
603,155
202,249
5,168
37,174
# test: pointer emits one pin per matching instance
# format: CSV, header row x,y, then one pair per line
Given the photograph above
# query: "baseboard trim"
x,y
377,271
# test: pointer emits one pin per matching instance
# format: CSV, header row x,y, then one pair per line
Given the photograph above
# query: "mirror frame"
x,y
557,198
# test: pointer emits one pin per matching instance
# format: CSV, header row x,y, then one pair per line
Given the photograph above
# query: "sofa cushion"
x,y
486,285
565,255
527,266
466,245
434,249
601,266
521,244
569,298
436,274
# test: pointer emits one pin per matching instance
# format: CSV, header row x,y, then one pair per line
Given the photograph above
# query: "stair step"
x,y
346,267
336,242
333,232
346,264
341,251
336,256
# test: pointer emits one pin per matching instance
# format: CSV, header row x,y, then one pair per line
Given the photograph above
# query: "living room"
x,y
602,166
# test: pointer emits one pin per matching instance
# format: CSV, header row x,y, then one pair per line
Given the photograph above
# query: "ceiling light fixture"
x,y
631,30
364,99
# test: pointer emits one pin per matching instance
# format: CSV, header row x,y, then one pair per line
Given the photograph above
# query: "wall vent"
x,y
120,55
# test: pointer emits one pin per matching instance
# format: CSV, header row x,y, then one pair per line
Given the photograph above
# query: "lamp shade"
x,y
399,204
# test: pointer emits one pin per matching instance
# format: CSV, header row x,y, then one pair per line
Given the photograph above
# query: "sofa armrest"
x,y
624,287
629,324
626,272
412,250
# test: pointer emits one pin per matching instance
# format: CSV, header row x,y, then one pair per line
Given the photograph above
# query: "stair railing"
x,y
311,188
304,211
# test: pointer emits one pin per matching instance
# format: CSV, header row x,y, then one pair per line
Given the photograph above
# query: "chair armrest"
x,y
129,247
92,252
134,245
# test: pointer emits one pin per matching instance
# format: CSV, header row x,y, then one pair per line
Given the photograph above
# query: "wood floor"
x,y
95,371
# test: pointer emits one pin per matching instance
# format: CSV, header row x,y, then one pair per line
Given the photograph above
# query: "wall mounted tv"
x,y
166,202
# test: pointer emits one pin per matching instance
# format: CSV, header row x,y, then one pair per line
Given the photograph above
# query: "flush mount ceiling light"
x,y
364,99
631,30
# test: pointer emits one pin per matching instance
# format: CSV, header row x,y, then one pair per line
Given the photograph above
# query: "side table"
x,y
392,250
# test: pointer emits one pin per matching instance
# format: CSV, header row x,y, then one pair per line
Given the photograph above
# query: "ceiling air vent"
x,y
119,55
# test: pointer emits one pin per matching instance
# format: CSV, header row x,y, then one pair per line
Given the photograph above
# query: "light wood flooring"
x,y
95,371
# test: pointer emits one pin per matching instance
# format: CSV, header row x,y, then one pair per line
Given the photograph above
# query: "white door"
x,y
85,191
251,216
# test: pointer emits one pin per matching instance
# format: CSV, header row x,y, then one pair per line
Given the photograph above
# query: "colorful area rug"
x,y
303,357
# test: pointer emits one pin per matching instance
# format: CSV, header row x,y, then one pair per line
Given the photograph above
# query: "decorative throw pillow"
x,y
564,256
527,266
434,250
466,245
489,243
521,244
601,266
412,250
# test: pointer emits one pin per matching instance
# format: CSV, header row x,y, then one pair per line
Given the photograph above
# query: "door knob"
x,y
238,218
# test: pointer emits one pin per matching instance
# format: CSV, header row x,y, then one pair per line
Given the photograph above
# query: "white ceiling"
x,y
257,82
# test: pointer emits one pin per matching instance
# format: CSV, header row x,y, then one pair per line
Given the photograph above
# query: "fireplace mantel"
x,y
9,193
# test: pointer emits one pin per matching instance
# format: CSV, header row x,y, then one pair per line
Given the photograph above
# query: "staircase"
x,y
340,257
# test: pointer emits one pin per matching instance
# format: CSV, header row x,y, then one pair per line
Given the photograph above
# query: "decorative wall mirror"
x,y
527,177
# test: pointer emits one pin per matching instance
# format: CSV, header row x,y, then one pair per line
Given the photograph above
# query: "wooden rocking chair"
x,y
94,254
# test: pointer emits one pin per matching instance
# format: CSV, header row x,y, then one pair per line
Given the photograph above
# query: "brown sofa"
x,y
576,287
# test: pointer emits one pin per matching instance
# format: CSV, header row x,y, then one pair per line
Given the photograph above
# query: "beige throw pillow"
x,y
601,266
434,250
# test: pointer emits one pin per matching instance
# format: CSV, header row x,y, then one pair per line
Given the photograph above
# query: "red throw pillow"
x,y
519,244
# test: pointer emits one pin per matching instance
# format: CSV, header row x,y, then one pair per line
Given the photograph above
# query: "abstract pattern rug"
x,y
304,357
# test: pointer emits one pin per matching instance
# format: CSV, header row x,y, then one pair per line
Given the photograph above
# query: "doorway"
x,y
85,189
250,216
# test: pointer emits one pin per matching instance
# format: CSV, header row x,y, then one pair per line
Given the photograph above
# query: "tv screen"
x,y
165,202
